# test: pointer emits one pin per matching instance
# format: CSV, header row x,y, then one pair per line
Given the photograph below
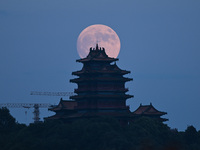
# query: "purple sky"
x,y
160,45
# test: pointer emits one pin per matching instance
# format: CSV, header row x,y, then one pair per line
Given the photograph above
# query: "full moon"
x,y
99,34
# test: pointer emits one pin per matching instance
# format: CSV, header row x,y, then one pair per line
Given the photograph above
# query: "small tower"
x,y
36,113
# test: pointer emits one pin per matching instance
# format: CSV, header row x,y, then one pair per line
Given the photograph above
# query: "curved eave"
x,y
100,90
157,113
122,72
151,114
164,119
61,109
77,80
97,59
101,96
58,108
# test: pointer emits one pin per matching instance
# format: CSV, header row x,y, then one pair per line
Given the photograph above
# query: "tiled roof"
x,y
101,79
65,104
147,110
113,69
97,54
101,96
90,114
101,89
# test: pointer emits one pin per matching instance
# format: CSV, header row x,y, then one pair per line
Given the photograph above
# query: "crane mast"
x,y
36,107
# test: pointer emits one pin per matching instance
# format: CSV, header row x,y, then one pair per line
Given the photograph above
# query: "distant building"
x,y
63,109
101,91
148,111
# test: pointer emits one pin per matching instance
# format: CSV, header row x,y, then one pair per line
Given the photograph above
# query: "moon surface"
x,y
101,34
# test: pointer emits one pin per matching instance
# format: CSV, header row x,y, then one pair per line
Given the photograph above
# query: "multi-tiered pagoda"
x,y
101,91
101,85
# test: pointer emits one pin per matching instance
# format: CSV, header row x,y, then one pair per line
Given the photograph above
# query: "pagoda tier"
x,y
101,85
106,79
101,95
111,69
101,89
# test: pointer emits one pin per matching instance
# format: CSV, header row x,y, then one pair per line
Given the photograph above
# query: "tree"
x,y
7,122
191,135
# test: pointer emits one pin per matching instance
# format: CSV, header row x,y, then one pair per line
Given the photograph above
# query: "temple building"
x,y
149,111
100,91
63,109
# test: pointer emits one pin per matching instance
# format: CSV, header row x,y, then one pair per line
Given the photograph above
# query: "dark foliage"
x,y
98,134
7,122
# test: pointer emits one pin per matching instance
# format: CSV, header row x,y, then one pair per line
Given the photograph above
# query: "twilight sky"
x,y
160,45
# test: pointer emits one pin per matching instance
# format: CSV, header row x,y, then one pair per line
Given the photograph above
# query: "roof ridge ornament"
x,y
97,47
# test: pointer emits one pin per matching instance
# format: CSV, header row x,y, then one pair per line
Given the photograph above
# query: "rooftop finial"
x,y
97,47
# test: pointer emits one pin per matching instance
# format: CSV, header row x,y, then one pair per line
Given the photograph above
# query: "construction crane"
x,y
51,93
36,107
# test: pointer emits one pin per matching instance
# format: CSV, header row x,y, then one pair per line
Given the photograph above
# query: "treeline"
x,y
94,134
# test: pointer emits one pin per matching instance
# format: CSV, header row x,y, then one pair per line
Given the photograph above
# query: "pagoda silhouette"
x,y
101,92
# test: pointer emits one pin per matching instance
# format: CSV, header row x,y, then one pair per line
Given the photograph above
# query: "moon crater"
x,y
101,34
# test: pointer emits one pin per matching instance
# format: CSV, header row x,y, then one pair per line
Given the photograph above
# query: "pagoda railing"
x,y
100,89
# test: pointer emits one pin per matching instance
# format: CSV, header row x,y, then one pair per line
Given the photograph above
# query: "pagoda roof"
x,y
97,54
64,105
98,114
56,116
102,89
101,96
76,80
113,69
90,114
148,110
